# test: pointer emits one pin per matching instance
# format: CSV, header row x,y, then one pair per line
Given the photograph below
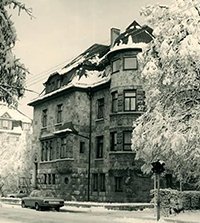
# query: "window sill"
x,y
57,160
99,119
98,159
44,128
121,152
127,113
58,124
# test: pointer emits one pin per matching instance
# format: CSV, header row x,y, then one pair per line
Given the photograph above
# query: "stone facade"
x,y
83,127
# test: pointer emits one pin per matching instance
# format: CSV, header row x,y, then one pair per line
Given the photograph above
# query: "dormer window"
x,y
130,63
115,65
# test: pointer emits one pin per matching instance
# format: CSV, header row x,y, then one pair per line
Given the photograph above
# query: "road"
x,y
16,214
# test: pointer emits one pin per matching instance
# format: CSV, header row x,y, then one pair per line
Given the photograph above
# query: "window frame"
x,y
63,147
99,147
132,57
102,182
82,147
100,108
44,117
118,183
126,143
118,68
59,113
113,141
129,98
114,103
95,182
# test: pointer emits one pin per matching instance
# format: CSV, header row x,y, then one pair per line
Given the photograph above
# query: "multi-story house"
x,y
83,124
15,150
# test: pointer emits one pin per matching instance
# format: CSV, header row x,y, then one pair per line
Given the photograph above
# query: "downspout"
x,y
90,141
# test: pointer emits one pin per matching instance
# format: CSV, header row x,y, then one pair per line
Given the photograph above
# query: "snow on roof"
x,y
13,113
90,79
134,37
92,56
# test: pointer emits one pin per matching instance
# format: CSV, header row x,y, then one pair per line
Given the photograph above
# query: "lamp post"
x,y
158,168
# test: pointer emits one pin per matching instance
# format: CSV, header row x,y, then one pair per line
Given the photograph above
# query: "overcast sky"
x,y
62,29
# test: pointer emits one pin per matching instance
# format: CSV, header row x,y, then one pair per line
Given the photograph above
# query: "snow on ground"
x,y
146,216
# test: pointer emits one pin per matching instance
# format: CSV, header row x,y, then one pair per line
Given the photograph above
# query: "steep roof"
x,y
137,33
13,114
91,56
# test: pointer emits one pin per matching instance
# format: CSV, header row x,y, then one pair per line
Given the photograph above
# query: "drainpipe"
x,y
90,142
36,173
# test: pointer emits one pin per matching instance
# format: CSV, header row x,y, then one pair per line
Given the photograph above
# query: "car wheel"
x,y
23,204
37,207
57,208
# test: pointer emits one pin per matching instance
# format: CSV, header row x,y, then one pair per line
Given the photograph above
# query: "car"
x,y
18,194
42,199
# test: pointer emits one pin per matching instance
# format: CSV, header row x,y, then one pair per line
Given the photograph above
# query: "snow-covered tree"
x,y
12,72
170,69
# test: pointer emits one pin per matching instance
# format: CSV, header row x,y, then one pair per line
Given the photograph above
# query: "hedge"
x,y
171,198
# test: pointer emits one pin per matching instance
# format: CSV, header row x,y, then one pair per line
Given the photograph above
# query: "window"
x,y
115,66
114,101
44,151
118,184
102,183
130,63
49,178
99,151
113,141
129,100
82,147
51,155
127,136
59,113
44,118
45,179
63,148
53,178
95,182
100,112
5,124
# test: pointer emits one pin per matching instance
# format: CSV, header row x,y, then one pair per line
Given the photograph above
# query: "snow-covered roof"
x,y
134,37
13,113
84,70
90,79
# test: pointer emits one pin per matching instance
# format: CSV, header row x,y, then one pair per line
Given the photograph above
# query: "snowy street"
x,y
16,214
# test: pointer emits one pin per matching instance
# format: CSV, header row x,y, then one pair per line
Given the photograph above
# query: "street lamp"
x,y
158,168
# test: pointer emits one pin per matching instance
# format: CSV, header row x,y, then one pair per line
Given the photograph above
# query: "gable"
x,y
6,115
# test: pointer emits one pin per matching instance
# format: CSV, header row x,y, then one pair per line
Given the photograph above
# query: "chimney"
x,y
114,33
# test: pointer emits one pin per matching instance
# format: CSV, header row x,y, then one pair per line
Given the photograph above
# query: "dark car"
x,y
39,200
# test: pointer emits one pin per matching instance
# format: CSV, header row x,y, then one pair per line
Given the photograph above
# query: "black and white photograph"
x,y
100,111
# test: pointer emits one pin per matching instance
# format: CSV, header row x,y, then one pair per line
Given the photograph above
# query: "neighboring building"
x,y
83,124
15,149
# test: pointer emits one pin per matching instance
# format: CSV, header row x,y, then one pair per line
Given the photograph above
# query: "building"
x,y
83,123
15,149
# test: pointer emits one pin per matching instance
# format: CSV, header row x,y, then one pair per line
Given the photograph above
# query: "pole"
x,y
36,174
154,187
158,197
90,144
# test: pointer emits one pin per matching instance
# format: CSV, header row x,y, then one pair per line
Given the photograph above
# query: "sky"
x,y
63,29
